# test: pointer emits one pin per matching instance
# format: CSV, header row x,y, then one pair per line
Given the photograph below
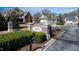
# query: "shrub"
x,y
3,24
16,40
60,23
40,37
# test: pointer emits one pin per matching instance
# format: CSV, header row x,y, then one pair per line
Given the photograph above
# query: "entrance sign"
x,y
36,29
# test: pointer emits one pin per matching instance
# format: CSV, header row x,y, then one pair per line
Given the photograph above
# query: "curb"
x,y
50,43
45,46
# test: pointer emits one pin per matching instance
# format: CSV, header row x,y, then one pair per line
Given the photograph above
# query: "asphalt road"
x,y
68,42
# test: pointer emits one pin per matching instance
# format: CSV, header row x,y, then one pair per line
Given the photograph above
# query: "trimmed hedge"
x,y
40,37
15,40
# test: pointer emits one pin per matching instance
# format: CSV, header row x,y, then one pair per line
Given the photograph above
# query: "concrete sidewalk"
x,y
4,32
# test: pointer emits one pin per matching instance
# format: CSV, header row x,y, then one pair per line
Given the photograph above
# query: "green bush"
x,y
40,37
3,24
60,23
14,41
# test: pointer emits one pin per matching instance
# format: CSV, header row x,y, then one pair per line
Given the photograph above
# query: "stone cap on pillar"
x,y
30,23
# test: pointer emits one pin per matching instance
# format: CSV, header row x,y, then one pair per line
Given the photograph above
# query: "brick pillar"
x,y
10,27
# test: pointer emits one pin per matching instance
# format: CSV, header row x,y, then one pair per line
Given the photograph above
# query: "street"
x,y
68,42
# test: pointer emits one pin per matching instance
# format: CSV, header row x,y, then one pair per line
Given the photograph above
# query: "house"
x,y
44,20
70,20
17,10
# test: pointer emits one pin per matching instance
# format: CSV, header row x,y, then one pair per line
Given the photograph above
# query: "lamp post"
x,y
30,45
33,37
31,41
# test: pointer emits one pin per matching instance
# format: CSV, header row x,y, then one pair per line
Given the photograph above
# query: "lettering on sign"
x,y
36,29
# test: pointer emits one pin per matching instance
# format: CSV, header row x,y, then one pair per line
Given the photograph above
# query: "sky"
x,y
34,10
52,9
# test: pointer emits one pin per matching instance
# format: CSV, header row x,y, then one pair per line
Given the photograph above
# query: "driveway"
x,y
68,42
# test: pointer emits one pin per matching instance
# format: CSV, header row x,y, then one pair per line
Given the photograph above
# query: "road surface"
x,y
68,42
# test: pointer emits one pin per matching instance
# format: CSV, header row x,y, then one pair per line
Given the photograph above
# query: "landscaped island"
x,y
16,40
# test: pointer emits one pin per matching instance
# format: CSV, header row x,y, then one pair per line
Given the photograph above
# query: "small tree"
x,y
47,13
60,18
3,24
14,18
36,17
28,17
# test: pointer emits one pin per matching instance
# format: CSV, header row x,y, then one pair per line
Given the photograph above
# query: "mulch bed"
x,y
34,46
55,32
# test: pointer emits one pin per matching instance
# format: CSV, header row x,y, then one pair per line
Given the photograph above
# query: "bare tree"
x,y
47,13
36,17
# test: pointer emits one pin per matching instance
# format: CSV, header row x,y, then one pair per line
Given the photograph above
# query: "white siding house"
x,y
70,20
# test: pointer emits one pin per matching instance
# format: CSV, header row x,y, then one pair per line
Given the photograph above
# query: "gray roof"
x,y
71,18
